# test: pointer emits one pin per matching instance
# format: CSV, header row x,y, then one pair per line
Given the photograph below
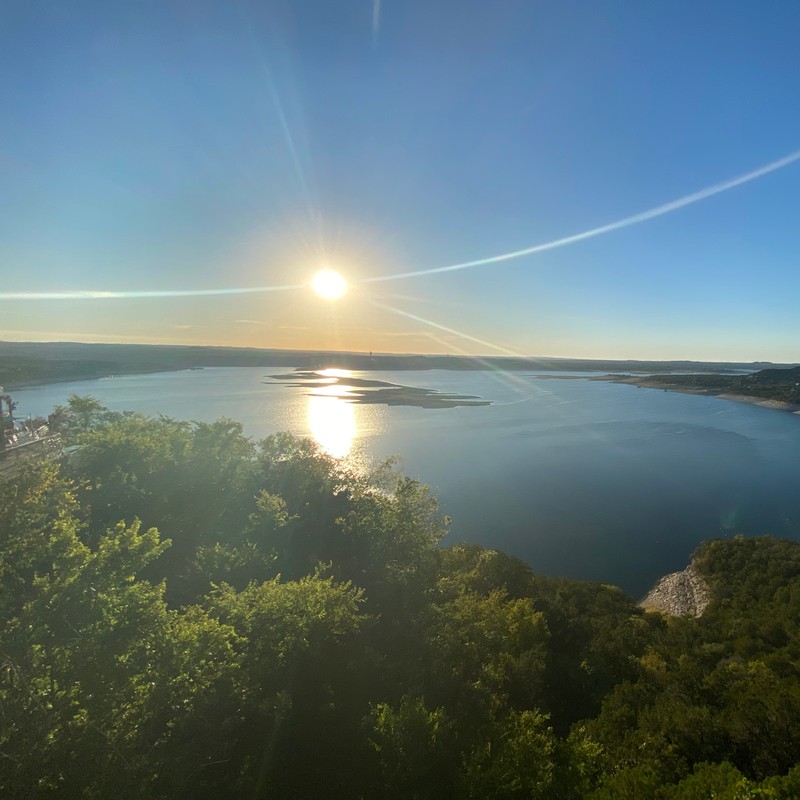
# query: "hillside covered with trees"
x,y
189,614
781,385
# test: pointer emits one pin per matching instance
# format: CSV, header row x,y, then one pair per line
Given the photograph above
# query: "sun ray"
x,y
511,380
444,328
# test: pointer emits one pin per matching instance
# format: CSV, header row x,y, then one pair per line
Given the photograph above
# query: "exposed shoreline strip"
x,y
655,382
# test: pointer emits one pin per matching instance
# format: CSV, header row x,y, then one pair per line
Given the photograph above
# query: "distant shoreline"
x,y
29,364
664,383
15,387
748,399
777,405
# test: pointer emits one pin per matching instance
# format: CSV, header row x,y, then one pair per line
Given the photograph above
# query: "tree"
x,y
107,687
299,655
516,762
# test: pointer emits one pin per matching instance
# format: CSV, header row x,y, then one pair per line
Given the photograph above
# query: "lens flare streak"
x,y
626,222
100,295
643,216
444,328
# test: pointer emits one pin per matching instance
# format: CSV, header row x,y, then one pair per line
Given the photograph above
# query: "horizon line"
x,y
386,354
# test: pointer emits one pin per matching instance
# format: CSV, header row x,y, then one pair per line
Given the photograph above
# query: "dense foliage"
x,y
189,614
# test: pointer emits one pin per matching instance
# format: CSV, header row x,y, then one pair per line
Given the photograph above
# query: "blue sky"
x,y
199,145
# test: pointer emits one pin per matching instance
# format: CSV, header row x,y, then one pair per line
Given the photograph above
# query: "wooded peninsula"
x,y
779,386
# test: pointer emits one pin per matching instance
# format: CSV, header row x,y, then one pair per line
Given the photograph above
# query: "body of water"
x,y
584,479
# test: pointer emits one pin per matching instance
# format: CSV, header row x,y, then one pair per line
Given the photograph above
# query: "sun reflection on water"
x,y
332,419
333,372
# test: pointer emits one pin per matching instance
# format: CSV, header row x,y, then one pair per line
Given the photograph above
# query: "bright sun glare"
x,y
329,284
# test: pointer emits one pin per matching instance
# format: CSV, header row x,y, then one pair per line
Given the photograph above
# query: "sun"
x,y
329,284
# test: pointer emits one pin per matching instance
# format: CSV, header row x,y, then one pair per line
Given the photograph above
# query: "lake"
x,y
580,478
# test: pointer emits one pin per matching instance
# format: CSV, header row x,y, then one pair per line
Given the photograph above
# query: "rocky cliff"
x,y
681,594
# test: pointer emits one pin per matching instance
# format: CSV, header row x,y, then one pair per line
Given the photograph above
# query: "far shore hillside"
x,y
37,363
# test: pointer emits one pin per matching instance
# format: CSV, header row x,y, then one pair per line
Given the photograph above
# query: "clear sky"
x,y
194,145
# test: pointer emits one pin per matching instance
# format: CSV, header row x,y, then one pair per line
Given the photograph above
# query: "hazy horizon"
x,y
398,353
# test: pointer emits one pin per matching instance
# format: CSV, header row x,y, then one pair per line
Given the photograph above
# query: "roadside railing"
x,y
47,448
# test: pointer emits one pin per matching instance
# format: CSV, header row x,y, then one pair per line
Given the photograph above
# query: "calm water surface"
x,y
585,479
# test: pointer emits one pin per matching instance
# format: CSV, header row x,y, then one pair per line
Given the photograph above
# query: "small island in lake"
x,y
366,391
